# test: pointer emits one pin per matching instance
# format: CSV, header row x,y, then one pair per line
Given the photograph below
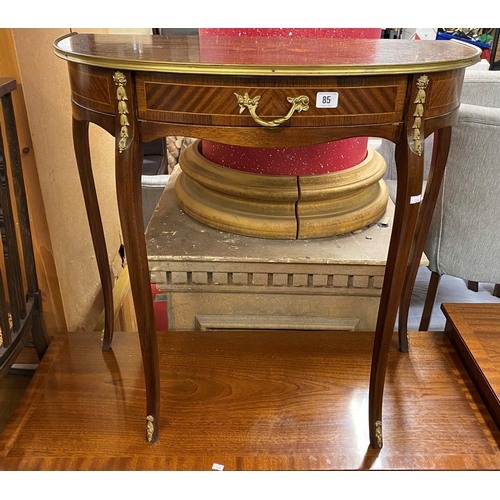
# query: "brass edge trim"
x,y
63,37
265,70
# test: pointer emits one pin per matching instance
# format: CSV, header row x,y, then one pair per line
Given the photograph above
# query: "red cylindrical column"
x,y
309,160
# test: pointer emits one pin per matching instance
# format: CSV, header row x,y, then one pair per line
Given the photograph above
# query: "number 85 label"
x,y
327,99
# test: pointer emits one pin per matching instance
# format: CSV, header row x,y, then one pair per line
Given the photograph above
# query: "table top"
x,y
255,56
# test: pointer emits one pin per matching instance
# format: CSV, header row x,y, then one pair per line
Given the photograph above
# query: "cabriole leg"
x,y
83,160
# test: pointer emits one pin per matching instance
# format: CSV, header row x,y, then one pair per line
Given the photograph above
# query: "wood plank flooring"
x,y
12,387
287,400
14,383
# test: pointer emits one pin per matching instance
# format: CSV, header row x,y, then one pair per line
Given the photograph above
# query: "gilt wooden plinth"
x,y
282,206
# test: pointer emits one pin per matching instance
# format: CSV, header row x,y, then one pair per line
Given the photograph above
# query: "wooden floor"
x,y
12,387
14,382
249,401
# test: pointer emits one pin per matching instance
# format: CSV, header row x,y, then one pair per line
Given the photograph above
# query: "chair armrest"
x,y
481,88
480,115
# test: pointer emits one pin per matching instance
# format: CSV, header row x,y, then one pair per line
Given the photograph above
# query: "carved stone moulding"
x,y
280,206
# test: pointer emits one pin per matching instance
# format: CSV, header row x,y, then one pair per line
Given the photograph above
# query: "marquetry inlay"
x,y
92,88
209,101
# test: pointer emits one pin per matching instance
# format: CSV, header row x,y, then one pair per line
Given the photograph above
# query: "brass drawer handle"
x,y
299,104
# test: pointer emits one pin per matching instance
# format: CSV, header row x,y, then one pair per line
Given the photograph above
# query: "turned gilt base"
x,y
282,206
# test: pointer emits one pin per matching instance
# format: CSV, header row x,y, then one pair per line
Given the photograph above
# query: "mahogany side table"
x,y
234,91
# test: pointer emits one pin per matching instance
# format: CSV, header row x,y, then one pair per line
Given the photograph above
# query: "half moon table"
x,y
275,93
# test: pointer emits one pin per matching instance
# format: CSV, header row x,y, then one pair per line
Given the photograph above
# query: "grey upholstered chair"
x,y
464,236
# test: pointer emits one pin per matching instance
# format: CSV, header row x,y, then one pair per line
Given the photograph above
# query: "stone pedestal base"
x,y
216,279
282,206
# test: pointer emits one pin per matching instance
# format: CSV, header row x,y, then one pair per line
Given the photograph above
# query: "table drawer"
x,y
211,100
